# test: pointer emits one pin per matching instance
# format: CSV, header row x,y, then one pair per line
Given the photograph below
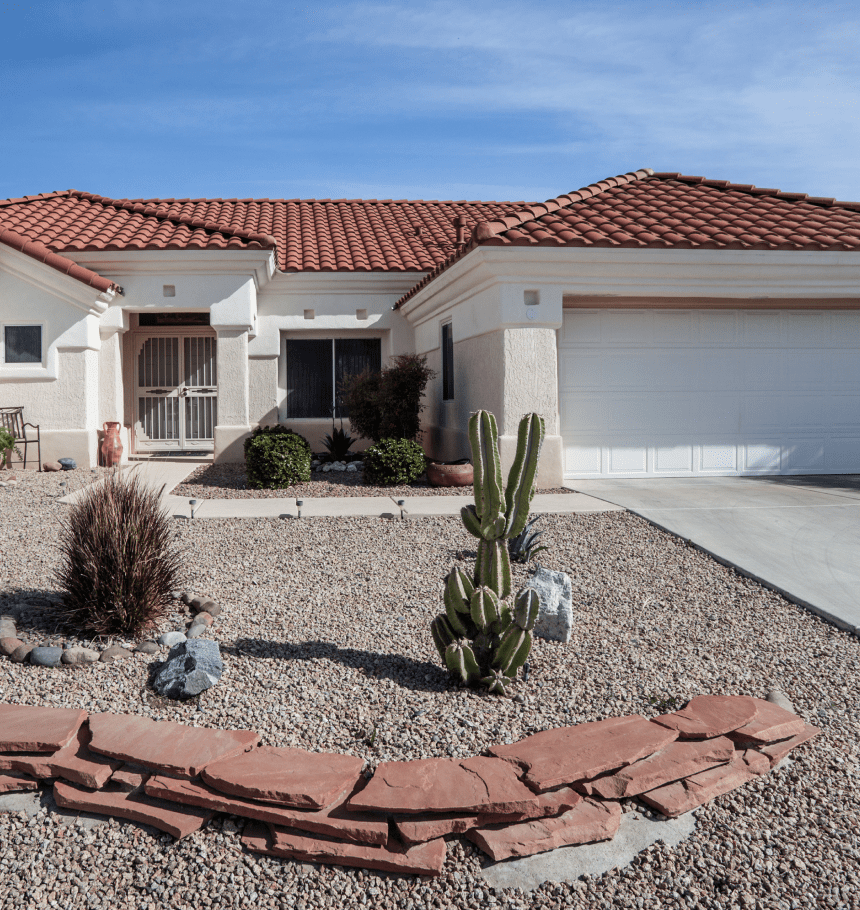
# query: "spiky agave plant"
x,y
118,564
485,635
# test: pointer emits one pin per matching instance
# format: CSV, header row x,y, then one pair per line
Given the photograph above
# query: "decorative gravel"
x,y
227,481
325,641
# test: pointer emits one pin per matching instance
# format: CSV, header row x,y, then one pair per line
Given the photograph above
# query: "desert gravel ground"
x,y
227,481
326,646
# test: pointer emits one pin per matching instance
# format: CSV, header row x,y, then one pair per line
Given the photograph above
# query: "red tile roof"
x,y
61,263
642,209
309,235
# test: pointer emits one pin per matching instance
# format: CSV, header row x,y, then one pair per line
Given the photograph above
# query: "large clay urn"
x,y
111,444
451,473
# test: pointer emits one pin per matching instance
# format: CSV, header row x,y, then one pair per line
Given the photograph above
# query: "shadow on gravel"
x,y
34,610
411,674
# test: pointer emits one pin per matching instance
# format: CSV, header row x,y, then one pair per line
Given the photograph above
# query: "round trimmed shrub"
x,y
394,461
276,457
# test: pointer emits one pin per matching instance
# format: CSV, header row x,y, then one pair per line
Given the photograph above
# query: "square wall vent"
x,y
168,290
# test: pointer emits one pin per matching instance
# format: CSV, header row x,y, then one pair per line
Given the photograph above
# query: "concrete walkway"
x,y
371,506
155,474
798,535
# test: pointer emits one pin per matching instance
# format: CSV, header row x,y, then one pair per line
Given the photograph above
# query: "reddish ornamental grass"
x,y
118,564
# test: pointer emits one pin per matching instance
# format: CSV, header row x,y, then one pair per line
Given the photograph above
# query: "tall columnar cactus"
x,y
485,635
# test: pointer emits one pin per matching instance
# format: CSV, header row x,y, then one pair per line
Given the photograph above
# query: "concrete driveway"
x,y
799,535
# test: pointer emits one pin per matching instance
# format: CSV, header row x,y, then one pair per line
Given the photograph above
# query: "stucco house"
x,y
664,325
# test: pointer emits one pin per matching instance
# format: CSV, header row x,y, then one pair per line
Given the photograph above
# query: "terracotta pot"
x,y
111,444
450,474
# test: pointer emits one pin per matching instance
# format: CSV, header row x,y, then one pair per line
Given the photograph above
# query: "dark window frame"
x,y
23,325
447,346
325,387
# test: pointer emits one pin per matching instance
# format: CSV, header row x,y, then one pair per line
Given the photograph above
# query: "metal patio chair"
x,y
13,420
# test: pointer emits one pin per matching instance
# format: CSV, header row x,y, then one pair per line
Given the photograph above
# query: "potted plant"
x,y
7,446
450,473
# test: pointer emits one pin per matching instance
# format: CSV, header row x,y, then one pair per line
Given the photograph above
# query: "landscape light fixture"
x,y
401,503
193,504
299,504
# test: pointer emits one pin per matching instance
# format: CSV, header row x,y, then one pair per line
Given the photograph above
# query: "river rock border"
x,y
205,611
556,788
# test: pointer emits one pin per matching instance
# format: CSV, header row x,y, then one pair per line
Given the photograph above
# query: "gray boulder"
x,y
46,656
191,668
77,656
171,639
555,618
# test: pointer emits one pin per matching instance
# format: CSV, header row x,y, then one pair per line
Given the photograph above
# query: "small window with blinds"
x,y
317,367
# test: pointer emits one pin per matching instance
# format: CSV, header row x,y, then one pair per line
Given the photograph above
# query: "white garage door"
x,y
675,393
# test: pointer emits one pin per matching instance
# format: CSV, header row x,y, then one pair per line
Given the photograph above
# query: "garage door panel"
x,y
762,369
719,457
688,393
718,327
803,456
763,456
762,329
674,459
580,370
763,412
840,454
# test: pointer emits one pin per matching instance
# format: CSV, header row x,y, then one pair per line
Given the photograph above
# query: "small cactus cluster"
x,y
485,634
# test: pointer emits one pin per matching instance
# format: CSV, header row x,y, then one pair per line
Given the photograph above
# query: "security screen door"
x,y
177,392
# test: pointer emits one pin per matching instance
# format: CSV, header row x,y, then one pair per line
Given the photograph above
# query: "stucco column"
x,y
111,399
233,412
531,384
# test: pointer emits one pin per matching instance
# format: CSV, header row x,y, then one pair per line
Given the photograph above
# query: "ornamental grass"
x,y
119,564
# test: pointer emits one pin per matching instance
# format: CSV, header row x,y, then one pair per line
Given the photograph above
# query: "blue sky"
x,y
434,99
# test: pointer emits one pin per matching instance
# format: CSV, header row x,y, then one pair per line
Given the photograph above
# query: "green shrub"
x,y
7,444
276,457
394,461
118,566
387,404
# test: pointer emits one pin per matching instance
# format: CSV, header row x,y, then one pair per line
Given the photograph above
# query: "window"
x,y
447,362
317,367
22,344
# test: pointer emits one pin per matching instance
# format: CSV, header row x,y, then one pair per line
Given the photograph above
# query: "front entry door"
x,y
177,394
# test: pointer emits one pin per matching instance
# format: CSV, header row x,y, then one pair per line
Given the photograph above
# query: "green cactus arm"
x,y
521,479
482,562
455,620
509,645
484,608
471,521
478,446
489,495
458,590
527,608
497,571
443,634
505,615
519,656
460,660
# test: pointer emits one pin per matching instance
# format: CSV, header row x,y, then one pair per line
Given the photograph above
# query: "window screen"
x,y
23,343
351,357
316,370
310,387
447,362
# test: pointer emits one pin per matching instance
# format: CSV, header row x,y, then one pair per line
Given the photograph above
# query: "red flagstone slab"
x,y
27,729
74,762
569,754
677,760
776,752
174,820
287,777
421,859
164,746
12,783
417,831
334,820
130,778
445,785
588,822
706,716
683,795
770,724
